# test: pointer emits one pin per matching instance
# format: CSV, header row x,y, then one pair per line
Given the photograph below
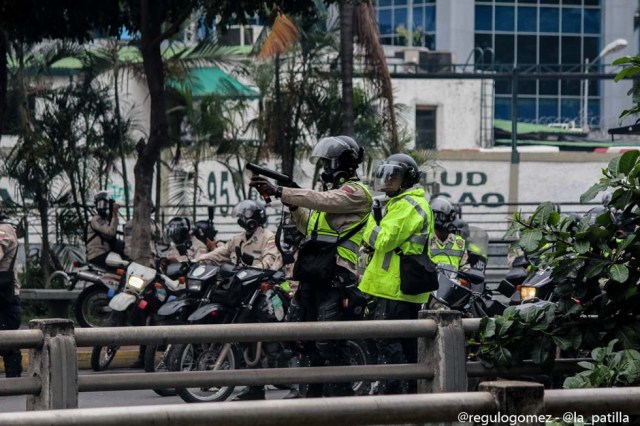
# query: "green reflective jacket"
x,y
347,249
448,253
408,225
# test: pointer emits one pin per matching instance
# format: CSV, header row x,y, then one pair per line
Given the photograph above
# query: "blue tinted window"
x,y
504,18
400,2
571,19
418,18
430,18
594,112
503,108
527,109
592,21
400,17
382,3
484,20
527,19
385,21
570,109
549,19
547,110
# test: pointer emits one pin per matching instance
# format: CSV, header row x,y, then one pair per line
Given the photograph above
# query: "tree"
x,y
346,65
156,22
595,264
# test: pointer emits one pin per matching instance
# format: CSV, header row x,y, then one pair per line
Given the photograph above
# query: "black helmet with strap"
x,y
340,156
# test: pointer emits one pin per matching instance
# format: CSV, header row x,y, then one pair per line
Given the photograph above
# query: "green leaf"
x,y
582,246
614,165
625,243
530,239
562,342
619,273
595,268
628,335
489,329
623,60
628,161
586,365
593,191
503,357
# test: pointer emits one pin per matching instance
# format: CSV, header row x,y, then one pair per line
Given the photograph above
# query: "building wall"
x,y
458,108
455,28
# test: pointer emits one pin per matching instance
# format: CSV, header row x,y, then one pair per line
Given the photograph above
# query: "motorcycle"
x,y
92,305
230,294
145,290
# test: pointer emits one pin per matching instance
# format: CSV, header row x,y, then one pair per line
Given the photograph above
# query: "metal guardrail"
x,y
53,382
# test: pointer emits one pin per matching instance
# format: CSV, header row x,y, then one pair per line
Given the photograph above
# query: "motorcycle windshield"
x,y
538,279
478,241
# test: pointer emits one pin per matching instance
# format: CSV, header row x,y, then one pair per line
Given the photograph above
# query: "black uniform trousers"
x,y
10,320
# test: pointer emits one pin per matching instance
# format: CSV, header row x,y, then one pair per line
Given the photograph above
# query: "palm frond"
x,y
366,29
282,38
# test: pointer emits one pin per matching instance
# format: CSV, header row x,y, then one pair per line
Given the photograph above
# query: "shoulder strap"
x,y
351,232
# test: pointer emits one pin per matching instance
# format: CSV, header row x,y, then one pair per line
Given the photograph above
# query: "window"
x,y
425,127
592,21
527,49
549,19
548,109
484,18
571,17
504,18
526,109
527,19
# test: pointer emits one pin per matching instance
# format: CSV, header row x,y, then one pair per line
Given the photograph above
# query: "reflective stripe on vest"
x,y
447,255
347,249
420,238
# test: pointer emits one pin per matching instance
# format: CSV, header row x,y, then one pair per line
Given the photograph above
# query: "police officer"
x,y
9,290
344,205
257,244
186,244
102,230
447,248
406,227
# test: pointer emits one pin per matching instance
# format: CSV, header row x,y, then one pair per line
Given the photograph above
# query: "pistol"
x,y
280,178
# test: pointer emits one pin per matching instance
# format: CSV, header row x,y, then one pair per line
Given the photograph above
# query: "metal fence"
x,y
442,372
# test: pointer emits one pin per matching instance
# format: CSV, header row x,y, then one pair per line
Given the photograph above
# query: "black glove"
x,y
264,186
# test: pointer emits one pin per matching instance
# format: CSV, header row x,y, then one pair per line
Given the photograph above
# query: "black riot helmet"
x,y
104,203
178,230
443,213
340,156
250,214
203,230
397,173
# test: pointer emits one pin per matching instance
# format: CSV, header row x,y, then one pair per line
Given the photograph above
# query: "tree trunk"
x,y
149,153
346,65
123,163
43,210
3,80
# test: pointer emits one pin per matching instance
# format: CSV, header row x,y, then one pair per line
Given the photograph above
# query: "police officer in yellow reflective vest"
x,y
447,248
331,215
406,227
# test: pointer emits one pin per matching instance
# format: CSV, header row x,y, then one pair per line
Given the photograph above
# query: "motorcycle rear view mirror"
x,y
506,288
520,262
475,276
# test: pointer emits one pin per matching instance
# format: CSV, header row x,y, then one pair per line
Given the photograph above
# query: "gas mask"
x,y
248,224
332,177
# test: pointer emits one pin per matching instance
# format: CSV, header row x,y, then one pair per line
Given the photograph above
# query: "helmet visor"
x,y
245,209
388,177
329,149
102,204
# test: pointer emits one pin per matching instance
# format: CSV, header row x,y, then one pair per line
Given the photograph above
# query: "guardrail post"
x,y
519,401
56,365
445,352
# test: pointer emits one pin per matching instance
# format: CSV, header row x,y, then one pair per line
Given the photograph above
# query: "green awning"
x,y
214,81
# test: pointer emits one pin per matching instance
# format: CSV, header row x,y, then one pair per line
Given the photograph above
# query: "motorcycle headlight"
x,y
527,293
135,283
194,285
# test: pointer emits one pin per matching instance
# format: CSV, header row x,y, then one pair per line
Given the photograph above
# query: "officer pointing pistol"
x,y
334,216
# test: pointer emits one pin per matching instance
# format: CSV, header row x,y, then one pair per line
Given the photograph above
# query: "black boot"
x,y
250,393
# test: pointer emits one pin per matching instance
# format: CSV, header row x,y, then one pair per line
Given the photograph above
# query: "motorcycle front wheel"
x,y
156,359
101,357
92,306
202,357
